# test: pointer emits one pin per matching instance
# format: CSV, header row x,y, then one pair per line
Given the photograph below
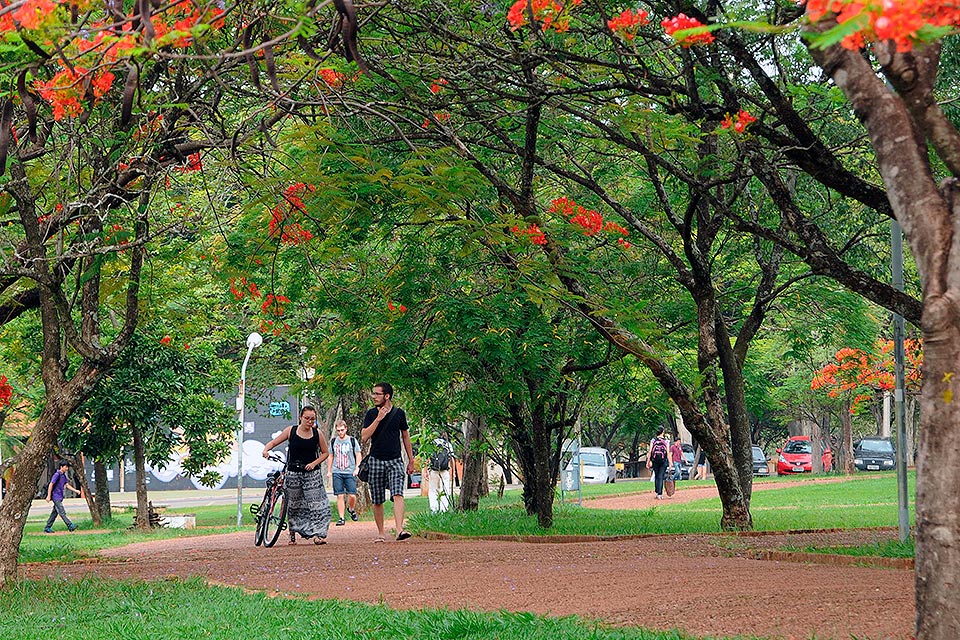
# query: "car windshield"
x,y
758,455
876,446
688,457
593,459
798,446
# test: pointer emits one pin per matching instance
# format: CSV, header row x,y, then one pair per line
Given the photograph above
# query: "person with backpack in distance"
x,y
439,478
385,426
346,457
658,459
58,483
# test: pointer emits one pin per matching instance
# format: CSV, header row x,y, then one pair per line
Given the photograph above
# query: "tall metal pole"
x,y
253,340
896,260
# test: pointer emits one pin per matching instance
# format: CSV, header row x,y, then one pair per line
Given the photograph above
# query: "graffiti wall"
x,y
263,420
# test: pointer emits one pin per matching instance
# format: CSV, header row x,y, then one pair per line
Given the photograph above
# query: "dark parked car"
x,y
760,467
874,454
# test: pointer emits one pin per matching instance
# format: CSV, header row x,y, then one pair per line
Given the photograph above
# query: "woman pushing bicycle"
x,y
308,508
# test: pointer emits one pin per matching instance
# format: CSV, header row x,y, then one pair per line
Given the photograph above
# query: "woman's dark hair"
x,y
386,387
63,463
661,431
307,408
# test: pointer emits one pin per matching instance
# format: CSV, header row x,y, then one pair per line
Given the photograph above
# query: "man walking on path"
x,y
58,482
676,454
386,427
345,451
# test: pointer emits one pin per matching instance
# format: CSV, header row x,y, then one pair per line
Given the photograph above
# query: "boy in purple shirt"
x,y
58,482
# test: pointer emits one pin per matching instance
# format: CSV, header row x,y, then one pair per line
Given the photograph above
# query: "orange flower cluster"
x,y
591,221
174,26
67,89
6,392
900,21
856,369
273,304
437,86
681,22
549,14
333,79
628,23
291,232
240,291
395,307
533,232
744,119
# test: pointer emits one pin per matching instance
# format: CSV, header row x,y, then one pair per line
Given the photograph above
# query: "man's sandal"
x,y
403,535
378,539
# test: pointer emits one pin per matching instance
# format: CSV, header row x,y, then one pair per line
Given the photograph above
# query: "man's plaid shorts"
x,y
384,475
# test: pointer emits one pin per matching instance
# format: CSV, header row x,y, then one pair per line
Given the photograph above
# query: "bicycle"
x,y
271,513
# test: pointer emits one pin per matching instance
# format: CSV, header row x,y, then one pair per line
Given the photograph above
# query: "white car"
x,y
598,467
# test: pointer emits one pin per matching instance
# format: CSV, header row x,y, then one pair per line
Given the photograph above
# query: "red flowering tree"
x,y
108,112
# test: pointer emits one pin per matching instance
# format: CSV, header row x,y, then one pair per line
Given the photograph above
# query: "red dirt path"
x,y
703,585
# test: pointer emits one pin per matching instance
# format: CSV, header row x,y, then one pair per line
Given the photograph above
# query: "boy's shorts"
x,y
344,483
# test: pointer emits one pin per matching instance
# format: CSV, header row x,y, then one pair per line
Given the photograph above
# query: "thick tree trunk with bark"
x,y
102,490
23,485
473,464
140,463
904,125
542,479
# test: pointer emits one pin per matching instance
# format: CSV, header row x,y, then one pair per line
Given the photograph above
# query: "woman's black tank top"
x,y
302,451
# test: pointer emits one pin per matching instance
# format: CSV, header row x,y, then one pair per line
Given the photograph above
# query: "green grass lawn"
x,y
857,502
97,609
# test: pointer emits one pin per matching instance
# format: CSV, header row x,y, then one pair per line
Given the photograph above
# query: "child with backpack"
x,y
659,460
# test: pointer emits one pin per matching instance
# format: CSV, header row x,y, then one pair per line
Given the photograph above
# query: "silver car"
x,y
598,467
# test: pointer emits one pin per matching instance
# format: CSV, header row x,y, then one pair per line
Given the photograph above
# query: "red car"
x,y
797,456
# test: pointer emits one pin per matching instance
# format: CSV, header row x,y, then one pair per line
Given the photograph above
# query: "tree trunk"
x,y
473,463
905,124
140,462
23,483
102,489
816,448
846,439
88,495
541,480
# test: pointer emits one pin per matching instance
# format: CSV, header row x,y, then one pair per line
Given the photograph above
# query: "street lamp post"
x,y
254,340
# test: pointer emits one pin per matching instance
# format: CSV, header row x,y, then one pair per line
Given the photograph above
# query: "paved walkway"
x,y
182,499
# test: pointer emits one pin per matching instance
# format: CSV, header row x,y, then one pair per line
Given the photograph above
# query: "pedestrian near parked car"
x,y
440,487
345,456
385,426
702,466
658,460
58,483
308,508
676,455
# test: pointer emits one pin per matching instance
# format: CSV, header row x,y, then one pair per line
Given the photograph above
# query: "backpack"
x,y
658,450
440,461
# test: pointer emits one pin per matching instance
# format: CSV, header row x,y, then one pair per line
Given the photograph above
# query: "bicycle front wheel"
x,y
275,517
262,515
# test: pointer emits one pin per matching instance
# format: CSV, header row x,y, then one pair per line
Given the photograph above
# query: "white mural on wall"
x,y
255,466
